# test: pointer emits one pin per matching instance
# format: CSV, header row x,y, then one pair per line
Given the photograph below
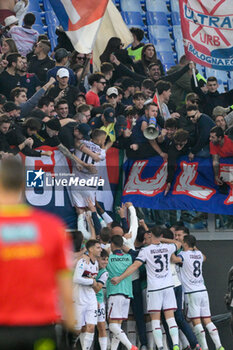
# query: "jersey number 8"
x,y
197,268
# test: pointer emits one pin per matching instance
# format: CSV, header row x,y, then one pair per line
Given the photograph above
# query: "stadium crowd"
x,y
56,99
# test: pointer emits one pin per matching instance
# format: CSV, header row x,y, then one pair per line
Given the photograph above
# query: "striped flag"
x,y
81,20
89,24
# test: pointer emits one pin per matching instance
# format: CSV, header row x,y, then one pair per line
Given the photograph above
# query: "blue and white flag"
x,y
193,187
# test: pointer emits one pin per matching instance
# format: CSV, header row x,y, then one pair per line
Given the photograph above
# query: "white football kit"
x,y
84,295
101,305
160,292
196,296
118,307
81,194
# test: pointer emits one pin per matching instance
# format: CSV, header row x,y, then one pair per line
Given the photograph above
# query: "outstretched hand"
x,y
121,211
167,189
191,156
91,205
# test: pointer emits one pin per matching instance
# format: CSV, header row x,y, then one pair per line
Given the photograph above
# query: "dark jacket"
x,y
173,154
41,67
5,146
210,100
122,70
203,126
16,136
181,87
139,68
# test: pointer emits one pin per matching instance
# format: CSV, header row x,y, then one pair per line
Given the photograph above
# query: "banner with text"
x,y
51,180
193,187
207,28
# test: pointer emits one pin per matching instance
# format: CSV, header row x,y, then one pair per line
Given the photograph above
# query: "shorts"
x,y
86,314
197,304
163,299
118,307
101,317
79,198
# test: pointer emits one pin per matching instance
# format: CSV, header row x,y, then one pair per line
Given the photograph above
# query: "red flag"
x,y
155,98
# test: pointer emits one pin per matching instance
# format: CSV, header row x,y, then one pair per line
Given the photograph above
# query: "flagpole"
x,y
84,68
194,75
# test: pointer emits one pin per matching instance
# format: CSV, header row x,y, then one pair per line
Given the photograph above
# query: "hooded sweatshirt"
x,y
24,38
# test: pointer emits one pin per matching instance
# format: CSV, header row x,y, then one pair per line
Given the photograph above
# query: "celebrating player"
x,y
84,294
160,293
196,295
101,280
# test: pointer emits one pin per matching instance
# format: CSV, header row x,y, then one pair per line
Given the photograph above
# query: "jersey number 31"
x,y
161,260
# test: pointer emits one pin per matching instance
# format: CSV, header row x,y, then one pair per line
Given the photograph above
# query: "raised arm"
x,y
91,226
173,77
32,101
143,224
125,70
170,241
133,224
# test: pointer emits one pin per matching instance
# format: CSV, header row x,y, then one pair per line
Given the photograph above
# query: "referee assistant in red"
x,y
34,274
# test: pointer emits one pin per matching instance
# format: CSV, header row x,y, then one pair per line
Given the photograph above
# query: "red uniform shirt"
x,y
226,150
92,99
33,250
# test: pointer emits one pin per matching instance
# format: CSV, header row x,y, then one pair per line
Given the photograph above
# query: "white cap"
x,y
112,90
63,72
10,20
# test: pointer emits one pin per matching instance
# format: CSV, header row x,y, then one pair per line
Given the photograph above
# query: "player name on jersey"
x,y
155,251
